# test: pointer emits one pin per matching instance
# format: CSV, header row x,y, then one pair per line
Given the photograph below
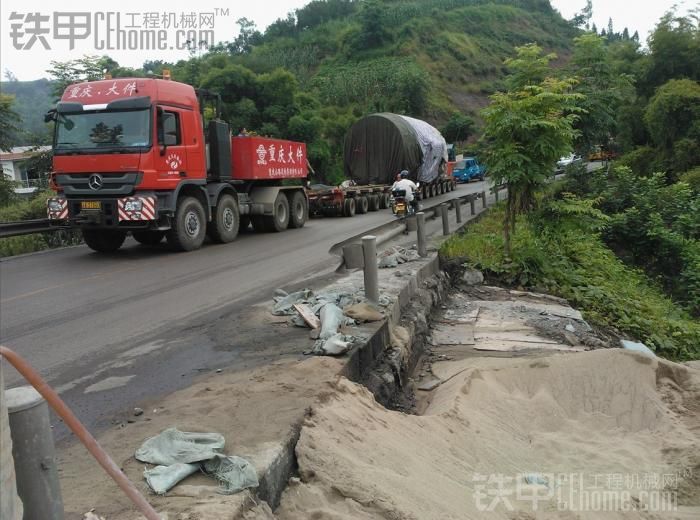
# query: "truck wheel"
x,y
279,221
148,238
104,240
384,199
224,227
189,226
349,207
441,188
362,205
374,202
298,211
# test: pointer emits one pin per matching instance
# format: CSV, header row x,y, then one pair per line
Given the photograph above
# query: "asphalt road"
x,y
110,331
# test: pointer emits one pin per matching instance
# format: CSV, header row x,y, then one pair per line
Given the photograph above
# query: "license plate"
x,y
91,204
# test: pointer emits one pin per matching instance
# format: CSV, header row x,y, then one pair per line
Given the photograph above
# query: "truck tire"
x,y
349,208
384,199
441,188
104,240
189,226
279,221
226,220
298,210
374,202
362,205
148,238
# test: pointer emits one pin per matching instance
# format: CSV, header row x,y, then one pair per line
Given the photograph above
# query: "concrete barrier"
x,y
10,504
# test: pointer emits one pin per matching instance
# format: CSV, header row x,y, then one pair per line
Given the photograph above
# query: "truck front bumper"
x,y
138,211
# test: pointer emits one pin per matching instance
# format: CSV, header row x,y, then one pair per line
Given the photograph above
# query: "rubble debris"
x,y
473,277
394,256
637,347
335,345
362,312
179,454
307,315
138,411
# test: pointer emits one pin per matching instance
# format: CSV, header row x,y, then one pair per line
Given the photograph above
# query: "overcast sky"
x,y
166,18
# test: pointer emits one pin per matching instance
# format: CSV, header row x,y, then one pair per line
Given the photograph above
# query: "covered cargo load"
x,y
260,158
379,146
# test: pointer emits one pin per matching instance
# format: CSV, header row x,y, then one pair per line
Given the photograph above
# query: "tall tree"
x,y
9,122
527,129
603,89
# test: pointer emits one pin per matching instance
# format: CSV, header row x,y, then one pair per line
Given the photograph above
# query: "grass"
x,y
576,265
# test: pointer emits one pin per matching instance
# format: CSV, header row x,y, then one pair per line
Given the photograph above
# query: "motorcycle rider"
x,y
406,184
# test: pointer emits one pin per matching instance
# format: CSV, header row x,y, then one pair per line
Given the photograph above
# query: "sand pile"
x,y
562,436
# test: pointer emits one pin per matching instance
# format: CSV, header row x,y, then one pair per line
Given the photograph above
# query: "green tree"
x,y
674,51
9,122
458,128
527,129
87,68
603,89
673,120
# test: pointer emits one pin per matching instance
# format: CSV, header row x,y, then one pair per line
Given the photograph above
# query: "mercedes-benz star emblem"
x,y
95,181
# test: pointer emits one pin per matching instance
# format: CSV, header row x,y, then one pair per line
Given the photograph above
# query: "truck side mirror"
x,y
50,115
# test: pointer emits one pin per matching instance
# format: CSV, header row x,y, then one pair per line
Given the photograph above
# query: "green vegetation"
x,y
29,210
559,250
622,243
527,129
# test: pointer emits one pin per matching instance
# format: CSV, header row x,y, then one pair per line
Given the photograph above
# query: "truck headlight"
x,y
55,205
133,205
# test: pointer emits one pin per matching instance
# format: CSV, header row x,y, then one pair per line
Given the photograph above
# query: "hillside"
x,y
32,100
383,55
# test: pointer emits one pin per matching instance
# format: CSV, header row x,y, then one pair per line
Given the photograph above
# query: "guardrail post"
x,y
483,199
420,231
33,451
458,210
495,192
445,217
472,203
371,271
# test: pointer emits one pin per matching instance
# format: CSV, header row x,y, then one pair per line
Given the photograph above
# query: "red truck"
x,y
134,156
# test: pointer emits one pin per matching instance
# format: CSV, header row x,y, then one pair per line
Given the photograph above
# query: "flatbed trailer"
x,y
346,201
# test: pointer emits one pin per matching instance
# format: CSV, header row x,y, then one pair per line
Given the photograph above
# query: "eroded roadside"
x,y
459,383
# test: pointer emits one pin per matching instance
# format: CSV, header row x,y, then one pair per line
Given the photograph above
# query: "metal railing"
x,y
26,227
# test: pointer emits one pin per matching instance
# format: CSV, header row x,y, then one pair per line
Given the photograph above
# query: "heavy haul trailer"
x,y
347,200
134,156
379,146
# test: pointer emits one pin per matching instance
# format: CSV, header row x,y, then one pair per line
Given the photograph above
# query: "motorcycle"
x,y
400,207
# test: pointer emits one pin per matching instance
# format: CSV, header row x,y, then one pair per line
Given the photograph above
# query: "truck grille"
x,y
112,183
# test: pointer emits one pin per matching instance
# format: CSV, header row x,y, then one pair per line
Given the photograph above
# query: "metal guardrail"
x,y
25,227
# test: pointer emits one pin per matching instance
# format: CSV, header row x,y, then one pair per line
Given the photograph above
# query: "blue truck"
x,y
467,169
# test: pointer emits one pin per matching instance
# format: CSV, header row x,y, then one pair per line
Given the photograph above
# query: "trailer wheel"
x,y
148,238
104,240
298,209
349,207
362,205
224,227
373,202
384,200
189,226
441,188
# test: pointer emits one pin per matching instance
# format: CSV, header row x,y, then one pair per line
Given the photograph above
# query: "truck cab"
x,y
133,156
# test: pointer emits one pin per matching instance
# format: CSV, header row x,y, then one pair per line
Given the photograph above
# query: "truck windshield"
x,y
98,130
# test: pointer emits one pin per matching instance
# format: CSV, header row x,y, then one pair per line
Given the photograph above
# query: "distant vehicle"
x,y
600,154
567,160
468,169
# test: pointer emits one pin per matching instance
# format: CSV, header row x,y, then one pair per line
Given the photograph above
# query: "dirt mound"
x,y
600,434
